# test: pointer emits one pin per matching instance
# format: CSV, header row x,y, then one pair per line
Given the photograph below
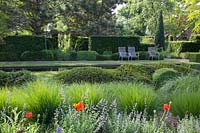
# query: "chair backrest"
x,y
152,50
131,51
121,49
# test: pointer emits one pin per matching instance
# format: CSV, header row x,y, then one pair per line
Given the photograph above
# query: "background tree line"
x,y
99,17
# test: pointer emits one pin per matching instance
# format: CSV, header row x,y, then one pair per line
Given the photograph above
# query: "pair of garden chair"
x,y
131,54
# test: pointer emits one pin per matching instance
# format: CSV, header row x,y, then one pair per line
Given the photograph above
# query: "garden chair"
x,y
122,53
132,54
153,53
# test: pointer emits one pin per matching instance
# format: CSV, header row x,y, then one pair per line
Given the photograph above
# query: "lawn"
x,y
71,63
63,63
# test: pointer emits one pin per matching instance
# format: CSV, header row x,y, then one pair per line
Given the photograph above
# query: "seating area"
x,y
132,54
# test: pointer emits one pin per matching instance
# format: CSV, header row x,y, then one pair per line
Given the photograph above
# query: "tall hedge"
x,y
183,46
19,44
111,43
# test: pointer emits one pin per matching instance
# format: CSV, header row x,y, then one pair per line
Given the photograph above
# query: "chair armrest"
x,y
138,54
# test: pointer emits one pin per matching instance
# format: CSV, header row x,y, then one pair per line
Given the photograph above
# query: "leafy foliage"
x,y
183,46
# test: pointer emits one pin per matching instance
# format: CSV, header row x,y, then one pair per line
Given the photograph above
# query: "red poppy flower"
x,y
79,106
29,115
166,107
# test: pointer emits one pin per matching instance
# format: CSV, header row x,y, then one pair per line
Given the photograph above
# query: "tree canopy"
x,y
99,17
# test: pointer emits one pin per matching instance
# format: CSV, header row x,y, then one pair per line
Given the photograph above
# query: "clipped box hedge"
x,y
183,46
86,55
192,56
15,78
111,43
85,74
37,55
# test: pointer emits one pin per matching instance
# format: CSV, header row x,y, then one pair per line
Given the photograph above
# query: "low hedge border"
x,y
192,56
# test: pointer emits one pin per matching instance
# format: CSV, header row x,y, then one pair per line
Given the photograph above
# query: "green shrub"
x,y
160,76
60,55
115,56
4,78
183,46
86,55
15,78
107,52
182,68
111,43
192,56
103,57
186,104
37,55
71,55
132,73
143,55
195,38
86,74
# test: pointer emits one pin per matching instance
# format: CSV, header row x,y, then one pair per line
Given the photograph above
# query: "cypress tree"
x,y
159,37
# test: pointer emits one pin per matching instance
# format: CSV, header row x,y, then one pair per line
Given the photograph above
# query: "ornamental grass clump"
x,y
189,83
162,75
42,98
127,95
186,103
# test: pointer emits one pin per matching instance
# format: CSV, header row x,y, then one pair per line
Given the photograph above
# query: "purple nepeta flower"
x,y
58,130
